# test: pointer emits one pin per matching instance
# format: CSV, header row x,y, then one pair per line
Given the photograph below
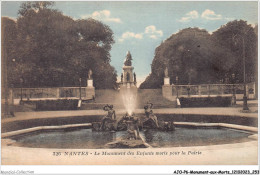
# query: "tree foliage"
x,y
236,36
52,49
197,57
8,40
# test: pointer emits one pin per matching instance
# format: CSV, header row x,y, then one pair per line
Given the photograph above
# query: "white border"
x,y
98,169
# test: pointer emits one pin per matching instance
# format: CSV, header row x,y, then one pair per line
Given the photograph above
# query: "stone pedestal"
x,y
90,83
167,92
130,87
128,73
90,90
166,81
90,93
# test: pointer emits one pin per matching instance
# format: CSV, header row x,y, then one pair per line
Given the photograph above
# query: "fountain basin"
x,y
185,135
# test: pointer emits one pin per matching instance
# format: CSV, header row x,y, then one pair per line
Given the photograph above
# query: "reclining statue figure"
x,y
151,121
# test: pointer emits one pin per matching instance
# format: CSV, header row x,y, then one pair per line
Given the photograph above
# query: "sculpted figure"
x,y
111,115
149,114
90,74
128,60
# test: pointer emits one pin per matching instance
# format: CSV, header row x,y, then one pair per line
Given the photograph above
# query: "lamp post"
x,y
245,107
242,37
6,89
234,91
21,84
177,78
188,89
80,88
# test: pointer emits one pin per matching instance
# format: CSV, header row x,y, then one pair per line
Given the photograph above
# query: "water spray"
x,y
129,100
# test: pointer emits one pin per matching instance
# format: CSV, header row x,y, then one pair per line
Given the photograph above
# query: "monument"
x,y
128,89
128,77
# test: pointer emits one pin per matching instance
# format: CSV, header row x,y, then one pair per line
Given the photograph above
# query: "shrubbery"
x,y
205,101
52,105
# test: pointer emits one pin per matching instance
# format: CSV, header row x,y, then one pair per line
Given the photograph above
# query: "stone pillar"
x,y
199,90
90,93
90,89
167,92
90,83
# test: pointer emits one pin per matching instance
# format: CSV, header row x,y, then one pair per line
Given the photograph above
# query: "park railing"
x,y
214,90
170,92
33,94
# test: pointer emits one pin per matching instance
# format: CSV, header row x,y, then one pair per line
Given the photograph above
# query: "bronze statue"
x,y
148,109
128,60
110,117
150,117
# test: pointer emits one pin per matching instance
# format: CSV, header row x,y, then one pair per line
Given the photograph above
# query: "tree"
x,y
9,35
54,50
231,36
192,56
197,57
27,7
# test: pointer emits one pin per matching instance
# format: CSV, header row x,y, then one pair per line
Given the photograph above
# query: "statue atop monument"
x,y
90,74
128,59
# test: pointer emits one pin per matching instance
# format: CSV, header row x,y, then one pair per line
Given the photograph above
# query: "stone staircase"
x,y
110,96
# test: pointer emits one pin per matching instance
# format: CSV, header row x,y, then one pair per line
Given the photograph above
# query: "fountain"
x,y
130,122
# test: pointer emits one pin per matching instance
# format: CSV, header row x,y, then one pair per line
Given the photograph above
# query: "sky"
x,y
140,27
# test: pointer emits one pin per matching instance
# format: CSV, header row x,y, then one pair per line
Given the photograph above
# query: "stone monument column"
x,y
128,77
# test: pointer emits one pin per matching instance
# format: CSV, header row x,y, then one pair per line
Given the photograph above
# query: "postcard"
x,y
130,83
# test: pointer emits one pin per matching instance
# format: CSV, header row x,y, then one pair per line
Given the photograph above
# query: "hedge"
x,y
52,105
205,101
